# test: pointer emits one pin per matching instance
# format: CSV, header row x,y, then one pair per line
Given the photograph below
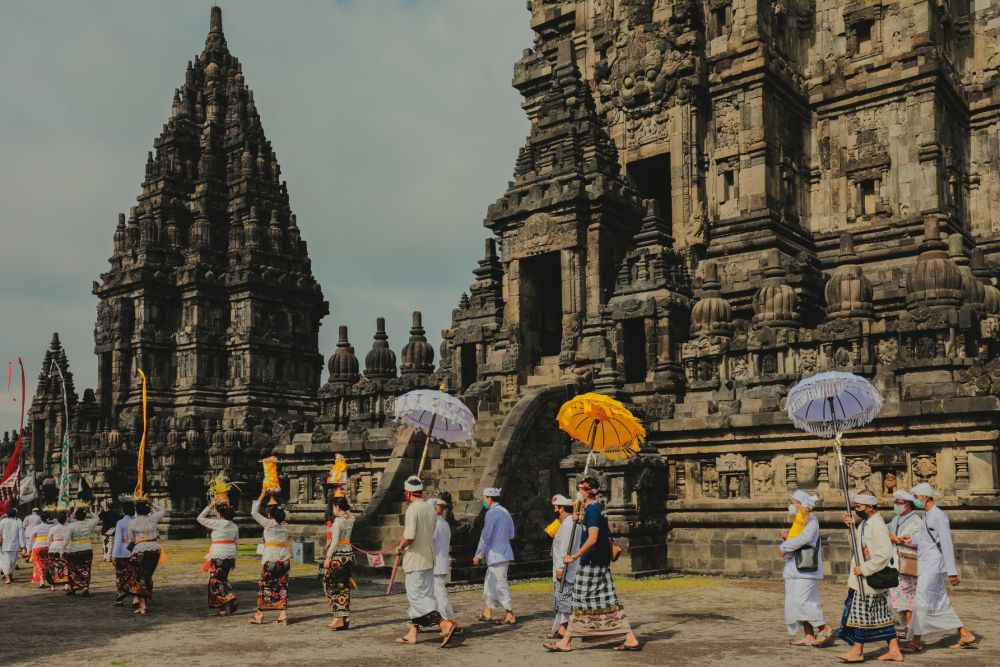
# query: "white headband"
x,y
808,501
903,495
413,484
924,489
491,492
864,498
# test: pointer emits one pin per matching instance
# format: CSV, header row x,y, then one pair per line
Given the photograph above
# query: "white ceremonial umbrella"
x,y
439,415
826,405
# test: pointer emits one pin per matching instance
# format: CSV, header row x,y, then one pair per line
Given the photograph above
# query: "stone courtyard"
x,y
682,621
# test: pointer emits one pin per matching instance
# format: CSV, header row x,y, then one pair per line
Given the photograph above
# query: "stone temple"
x,y
715,199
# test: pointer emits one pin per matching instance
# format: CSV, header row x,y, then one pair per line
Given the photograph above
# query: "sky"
x,y
394,122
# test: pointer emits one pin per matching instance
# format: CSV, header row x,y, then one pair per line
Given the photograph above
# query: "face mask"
x,y
793,510
898,509
486,505
919,504
861,514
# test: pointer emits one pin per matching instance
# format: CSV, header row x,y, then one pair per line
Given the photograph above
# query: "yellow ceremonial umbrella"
x,y
603,424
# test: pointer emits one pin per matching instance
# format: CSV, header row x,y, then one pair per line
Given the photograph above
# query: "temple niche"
x,y
710,205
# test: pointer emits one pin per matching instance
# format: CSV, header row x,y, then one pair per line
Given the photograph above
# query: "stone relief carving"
x,y
924,468
763,477
858,470
886,351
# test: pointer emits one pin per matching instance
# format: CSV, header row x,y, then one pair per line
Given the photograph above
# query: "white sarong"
x,y
496,590
802,604
441,595
933,615
8,561
420,593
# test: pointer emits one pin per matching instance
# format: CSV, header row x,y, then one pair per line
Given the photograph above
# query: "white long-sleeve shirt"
x,y
120,547
11,534
872,534
935,550
37,537
142,530
809,535
81,535
225,536
498,531
58,537
442,547
275,536
903,525
561,547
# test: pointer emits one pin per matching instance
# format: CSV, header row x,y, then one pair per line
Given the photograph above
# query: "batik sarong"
x,y
109,542
337,583
78,566
563,597
220,591
38,558
139,575
901,598
121,579
597,612
273,585
866,621
57,569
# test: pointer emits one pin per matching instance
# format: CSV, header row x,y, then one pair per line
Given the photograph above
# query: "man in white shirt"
x,y
442,559
494,548
563,602
119,551
417,549
11,544
933,615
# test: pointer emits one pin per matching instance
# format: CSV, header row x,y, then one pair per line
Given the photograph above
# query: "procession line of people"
x,y
897,576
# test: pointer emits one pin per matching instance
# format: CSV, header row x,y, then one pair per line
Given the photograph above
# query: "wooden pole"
x,y
427,442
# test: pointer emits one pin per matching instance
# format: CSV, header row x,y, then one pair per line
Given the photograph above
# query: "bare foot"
x,y
891,656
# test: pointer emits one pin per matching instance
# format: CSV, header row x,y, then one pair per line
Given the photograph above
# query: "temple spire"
x,y
215,24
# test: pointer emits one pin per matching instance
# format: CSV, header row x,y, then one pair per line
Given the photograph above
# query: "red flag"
x,y
9,481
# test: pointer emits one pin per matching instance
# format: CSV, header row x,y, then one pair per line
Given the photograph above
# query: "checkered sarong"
x,y
868,620
597,611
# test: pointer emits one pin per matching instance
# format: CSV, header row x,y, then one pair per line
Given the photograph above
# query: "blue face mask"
x,y
919,505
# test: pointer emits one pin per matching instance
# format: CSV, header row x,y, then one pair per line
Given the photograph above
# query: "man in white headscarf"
x,y
494,548
905,523
867,617
800,547
933,615
563,507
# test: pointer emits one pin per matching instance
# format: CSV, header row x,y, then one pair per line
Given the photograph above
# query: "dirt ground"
x,y
681,621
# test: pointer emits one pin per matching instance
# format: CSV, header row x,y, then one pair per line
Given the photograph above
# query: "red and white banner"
x,y
375,560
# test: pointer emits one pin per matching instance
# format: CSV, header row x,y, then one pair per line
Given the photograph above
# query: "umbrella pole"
x,y
847,496
427,442
576,503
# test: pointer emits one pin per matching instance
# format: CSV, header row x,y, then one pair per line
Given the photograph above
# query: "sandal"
x,y
908,649
626,647
484,618
964,644
257,619
800,642
555,648
447,635
822,638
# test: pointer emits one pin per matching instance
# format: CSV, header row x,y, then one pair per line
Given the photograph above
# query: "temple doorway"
x,y
541,304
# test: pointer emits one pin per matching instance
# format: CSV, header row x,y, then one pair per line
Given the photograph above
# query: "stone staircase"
x,y
457,470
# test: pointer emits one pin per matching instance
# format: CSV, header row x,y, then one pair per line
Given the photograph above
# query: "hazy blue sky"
x,y
394,122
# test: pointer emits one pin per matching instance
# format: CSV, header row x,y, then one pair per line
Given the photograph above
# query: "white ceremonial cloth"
x,y
8,560
498,531
933,615
37,537
274,532
442,549
802,604
420,593
441,596
11,535
223,530
340,531
561,547
120,548
809,535
496,590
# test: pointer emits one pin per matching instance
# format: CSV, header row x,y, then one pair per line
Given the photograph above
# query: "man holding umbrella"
x,y
494,548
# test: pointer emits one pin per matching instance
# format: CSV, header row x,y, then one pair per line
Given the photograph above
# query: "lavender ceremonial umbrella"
x,y
439,415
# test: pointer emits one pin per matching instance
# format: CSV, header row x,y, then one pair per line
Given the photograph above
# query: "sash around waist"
x,y
223,541
146,539
275,544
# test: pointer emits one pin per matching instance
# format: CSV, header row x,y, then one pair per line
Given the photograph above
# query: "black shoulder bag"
x,y
807,557
887,577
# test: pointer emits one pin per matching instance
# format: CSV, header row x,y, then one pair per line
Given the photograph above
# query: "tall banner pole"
x,y
64,480
141,460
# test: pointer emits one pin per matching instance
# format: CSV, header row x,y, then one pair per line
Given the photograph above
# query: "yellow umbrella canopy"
x,y
603,424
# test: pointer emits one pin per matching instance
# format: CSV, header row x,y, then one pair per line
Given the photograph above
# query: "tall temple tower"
x,y
210,290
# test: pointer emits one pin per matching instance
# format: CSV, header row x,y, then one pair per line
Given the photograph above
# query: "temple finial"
x,y
215,24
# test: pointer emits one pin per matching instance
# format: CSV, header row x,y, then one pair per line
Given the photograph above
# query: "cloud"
x,y
394,122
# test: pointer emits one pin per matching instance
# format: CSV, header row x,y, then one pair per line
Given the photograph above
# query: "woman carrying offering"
x,y
338,563
144,537
221,557
275,561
